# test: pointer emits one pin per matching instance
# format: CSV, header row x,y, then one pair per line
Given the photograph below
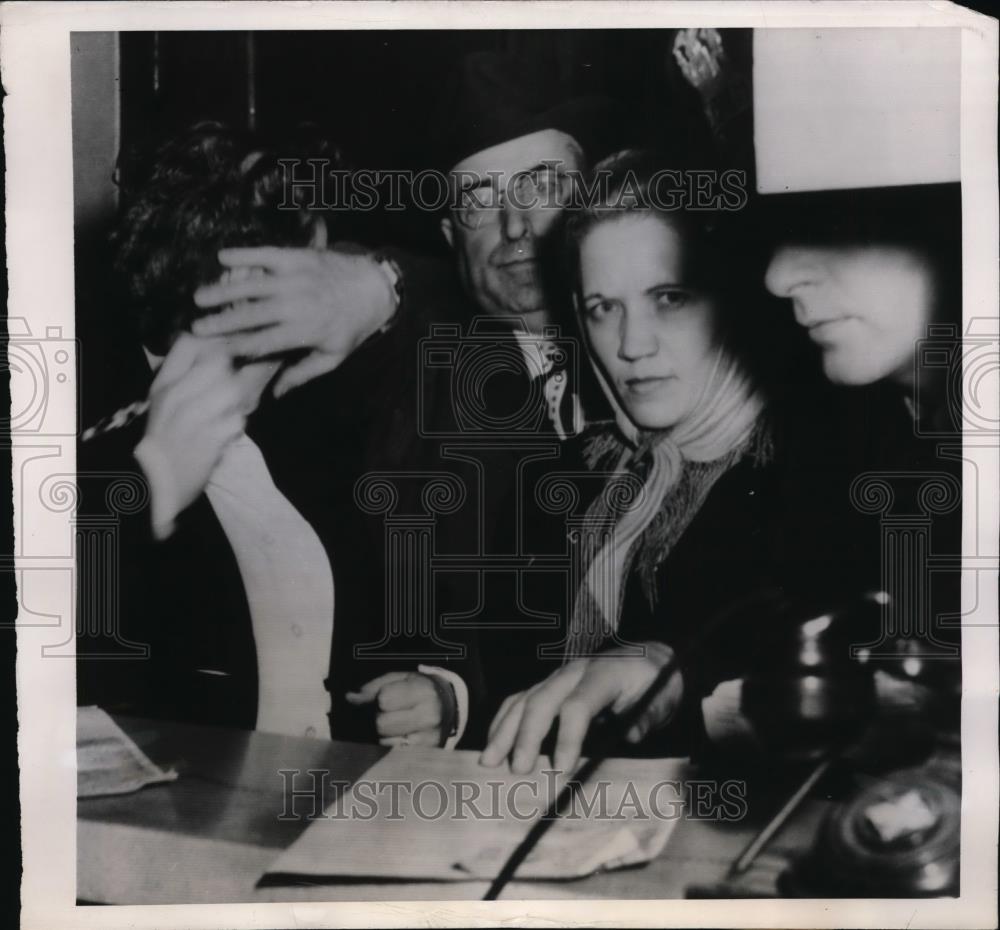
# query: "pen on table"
x,y
746,858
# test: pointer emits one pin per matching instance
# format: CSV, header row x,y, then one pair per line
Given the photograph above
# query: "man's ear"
x,y
448,231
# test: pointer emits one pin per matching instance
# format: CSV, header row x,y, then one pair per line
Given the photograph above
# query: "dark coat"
x,y
791,529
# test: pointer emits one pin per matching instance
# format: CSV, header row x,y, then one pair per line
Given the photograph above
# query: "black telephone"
x,y
893,715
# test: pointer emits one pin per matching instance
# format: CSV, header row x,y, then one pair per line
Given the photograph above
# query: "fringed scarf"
x,y
677,468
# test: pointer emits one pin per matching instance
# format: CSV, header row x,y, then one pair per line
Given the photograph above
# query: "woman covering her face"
x,y
689,433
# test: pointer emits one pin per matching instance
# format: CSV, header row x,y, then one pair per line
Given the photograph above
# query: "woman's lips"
x,y
827,330
643,386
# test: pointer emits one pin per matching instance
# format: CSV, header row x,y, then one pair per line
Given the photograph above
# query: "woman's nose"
x,y
790,267
638,337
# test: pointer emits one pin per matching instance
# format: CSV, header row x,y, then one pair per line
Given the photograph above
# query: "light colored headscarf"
x,y
681,465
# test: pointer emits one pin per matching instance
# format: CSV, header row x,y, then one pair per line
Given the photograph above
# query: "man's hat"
x,y
490,101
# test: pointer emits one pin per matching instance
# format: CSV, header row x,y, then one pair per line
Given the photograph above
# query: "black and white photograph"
x,y
541,464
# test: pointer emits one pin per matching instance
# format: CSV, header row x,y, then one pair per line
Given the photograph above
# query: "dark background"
x,y
376,92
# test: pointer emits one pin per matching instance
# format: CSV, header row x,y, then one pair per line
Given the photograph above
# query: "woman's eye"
x,y
670,298
599,309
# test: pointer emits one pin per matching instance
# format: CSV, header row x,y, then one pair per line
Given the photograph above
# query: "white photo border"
x,y
35,53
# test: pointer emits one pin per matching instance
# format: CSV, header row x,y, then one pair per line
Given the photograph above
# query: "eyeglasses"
x,y
543,187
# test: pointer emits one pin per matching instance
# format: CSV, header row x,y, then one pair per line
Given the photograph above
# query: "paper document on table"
x,y
107,761
434,815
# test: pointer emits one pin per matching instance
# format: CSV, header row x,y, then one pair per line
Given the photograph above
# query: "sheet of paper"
x,y
428,814
108,762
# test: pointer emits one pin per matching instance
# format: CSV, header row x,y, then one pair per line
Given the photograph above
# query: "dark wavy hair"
x,y
204,189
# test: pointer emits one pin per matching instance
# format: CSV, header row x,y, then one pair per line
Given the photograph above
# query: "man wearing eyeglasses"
x,y
513,155
506,199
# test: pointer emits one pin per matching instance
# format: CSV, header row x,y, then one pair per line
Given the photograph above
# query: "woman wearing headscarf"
x,y
708,525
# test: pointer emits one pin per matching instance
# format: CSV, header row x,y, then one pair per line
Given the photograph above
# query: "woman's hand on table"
x,y
575,695
409,708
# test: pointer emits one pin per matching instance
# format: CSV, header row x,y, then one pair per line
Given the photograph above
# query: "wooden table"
x,y
210,835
